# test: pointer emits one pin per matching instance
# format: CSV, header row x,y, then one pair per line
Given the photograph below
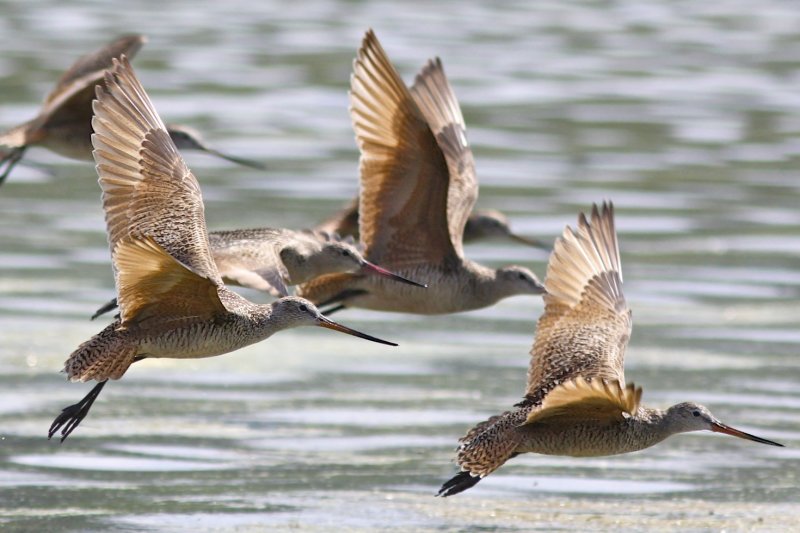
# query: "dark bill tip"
x,y
719,427
335,326
380,271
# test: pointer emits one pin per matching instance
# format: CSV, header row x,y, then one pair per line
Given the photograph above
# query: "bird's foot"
x,y
8,160
458,483
73,415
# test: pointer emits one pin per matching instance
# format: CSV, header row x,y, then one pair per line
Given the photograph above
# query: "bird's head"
x,y
519,280
293,311
690,416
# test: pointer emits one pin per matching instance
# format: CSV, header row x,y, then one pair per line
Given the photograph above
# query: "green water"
x,y
685,114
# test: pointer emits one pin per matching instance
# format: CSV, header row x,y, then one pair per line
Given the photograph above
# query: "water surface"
x,y
685,114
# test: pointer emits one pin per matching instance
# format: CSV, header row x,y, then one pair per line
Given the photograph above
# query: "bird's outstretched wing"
x,y
437,101
586,323
153,205
405,177
74,91
252,261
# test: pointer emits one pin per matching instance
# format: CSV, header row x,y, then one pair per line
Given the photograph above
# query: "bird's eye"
x,y
522,276
345,253
304,308
695,413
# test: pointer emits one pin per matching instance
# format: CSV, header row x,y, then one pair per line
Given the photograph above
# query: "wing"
x,y
404,175
261,280
581,400
153,285
148,191
88,70
258,267
437,101
343,223
586,323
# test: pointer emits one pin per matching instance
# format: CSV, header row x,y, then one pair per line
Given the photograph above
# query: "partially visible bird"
x,y
418,188
482,224
187,138
64,124
272,259
173,302
577,402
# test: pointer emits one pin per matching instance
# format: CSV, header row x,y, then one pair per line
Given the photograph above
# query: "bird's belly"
x,y
582,440
68,142
443,295
194,341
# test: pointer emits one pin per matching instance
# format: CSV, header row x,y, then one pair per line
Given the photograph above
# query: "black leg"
x,y
331,310
341,297
458,483
9,161
72,415
105,309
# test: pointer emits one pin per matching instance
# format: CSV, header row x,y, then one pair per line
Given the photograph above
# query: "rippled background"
x,y
686,114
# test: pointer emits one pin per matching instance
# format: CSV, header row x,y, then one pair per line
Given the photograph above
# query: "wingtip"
x,y
368,41
433,64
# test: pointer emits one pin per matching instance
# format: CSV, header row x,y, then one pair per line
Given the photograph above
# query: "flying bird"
x,y
172,300
64,123
577,402
418,187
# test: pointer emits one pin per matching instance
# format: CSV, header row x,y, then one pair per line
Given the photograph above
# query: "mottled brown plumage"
x,y
64,124
576,402
171,296
418,187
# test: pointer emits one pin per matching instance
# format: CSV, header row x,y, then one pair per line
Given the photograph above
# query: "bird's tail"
x,y
484,449
107,355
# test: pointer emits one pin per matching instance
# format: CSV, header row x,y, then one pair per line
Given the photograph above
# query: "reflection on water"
x,y
685,114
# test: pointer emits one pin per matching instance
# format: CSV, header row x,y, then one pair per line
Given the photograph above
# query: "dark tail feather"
x,y
105,309
458,483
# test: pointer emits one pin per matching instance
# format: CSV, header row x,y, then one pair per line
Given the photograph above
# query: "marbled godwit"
x,y
270,259
577,402
172,299
481,224
418,187
64,125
